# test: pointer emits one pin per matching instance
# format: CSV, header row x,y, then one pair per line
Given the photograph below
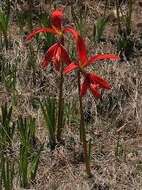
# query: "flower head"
x,y
84,61
93,83
57,18
56,54
56,28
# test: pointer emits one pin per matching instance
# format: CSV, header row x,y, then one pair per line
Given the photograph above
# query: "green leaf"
x,y
99,28
48,108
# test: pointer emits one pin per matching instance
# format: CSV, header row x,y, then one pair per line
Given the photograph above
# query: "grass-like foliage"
x,y
49,111
7,127
29,158
125,42
6,173
4,21
8,73
99,28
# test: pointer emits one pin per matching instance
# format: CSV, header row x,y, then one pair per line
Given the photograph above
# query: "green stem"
x,y
83,131
60,105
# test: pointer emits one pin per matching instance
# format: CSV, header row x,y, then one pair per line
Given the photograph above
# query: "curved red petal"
x,y
57,17
70,68
39,30
98,57
81,48
56,57
57,54
94,90
84,88
94,79
72,31
49,55
60,55
82,52
64,55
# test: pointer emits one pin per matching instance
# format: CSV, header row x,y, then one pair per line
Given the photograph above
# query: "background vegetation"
x,y
29,155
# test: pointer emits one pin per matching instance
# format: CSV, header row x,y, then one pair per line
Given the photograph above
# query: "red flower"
x,y
56,18
93,83
84,61
56,28
56,54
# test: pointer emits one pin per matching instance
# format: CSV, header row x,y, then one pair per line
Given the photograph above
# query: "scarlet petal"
x,y
49,55
72,31
94,79
64,55
84,88
39,30
57,57
82,53
60,56
81,48
57,54
94,90
70,68
98,57
57,17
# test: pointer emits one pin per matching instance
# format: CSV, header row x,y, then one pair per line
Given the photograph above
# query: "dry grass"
x,y
115,127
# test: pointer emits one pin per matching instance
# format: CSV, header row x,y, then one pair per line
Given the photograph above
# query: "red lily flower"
x,y
56,54
93,83
56,28
84,61
57,17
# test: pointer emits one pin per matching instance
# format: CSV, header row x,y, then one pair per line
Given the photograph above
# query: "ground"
x,y
115,126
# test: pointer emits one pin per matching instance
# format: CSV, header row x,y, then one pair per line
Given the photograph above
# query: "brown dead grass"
x,y
115,118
